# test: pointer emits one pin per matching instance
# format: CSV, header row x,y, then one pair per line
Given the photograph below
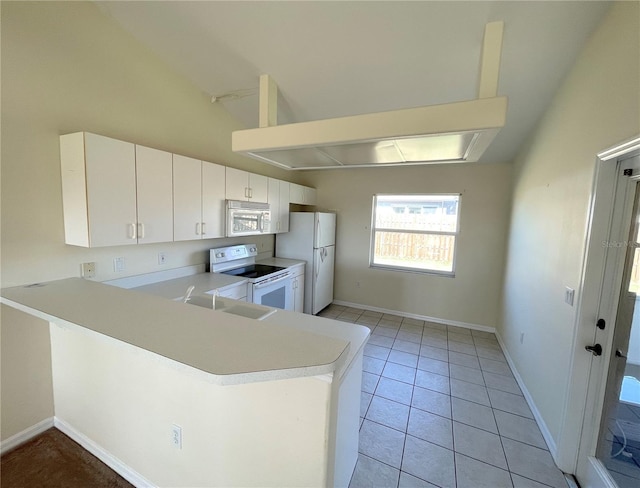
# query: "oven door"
x,y
274,292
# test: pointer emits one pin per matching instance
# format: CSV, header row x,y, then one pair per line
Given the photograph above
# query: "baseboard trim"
x,y
546,434
26,435
103,455
437,320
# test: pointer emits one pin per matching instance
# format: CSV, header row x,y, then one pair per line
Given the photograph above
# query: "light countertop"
x,y
203,282
230,349
282,262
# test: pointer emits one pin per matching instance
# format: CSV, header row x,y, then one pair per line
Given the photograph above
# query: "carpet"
x,y
54,460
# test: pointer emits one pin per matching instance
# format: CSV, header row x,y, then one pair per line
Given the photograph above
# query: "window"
x,y
415,232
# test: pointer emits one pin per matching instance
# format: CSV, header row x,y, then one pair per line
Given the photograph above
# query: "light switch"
x,y
568,295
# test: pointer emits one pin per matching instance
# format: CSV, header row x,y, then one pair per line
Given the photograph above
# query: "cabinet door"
x,y
258,188
273,198
111,191
154,182
310,196
298,289
296,193
302,195
283,217
213,204
237,187
187,198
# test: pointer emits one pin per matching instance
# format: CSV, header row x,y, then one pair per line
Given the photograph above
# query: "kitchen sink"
x,y
234,307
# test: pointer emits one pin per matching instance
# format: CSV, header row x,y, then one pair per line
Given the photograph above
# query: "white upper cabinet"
x,y
278,199
154,195
302,195
213,204
187,198
99,190
242,185
116,193
198,199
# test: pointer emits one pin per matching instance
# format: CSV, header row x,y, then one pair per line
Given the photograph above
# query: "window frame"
x,y
406,269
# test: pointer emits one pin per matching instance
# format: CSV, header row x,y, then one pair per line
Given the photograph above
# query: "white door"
x,y
283,216
111,191
323,262
213,205
237,184
187,198
325,229
273,199
609,454
154,177
258,188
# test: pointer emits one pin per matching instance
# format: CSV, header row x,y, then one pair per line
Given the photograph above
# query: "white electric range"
x,y
268,285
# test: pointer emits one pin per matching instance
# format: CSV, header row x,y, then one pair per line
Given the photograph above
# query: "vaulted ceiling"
x,y
339,58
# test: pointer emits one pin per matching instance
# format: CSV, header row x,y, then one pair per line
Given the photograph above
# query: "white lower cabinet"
x,y
297,284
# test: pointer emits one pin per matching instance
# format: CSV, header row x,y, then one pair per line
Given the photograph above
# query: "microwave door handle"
x,y
260,222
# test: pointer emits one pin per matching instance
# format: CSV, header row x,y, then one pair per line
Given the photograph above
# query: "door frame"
x,y
599,229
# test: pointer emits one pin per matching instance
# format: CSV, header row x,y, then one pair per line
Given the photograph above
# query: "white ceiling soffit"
x,y
454,132
448,133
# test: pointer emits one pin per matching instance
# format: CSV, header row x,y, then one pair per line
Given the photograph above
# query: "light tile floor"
x,y
440,407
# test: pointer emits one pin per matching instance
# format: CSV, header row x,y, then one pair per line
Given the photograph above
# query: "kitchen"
x,y
71,83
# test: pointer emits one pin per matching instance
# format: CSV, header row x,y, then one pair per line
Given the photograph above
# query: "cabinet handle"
x,y
246,192
141,231
132,235
250,195
204,228
197,228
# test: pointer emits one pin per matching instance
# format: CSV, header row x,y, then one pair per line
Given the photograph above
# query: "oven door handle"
x,y
271,281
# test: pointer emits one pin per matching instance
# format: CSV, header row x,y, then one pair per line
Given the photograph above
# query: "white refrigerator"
x,y
312,238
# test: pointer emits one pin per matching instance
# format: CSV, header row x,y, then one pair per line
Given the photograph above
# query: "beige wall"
x,y
597,107
65,68
471,297
26,392
258,434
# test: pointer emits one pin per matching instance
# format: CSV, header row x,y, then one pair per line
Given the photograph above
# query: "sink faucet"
x,y
188,294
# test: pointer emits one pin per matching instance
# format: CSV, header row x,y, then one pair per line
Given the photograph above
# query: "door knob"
x,y
596,349
601,324
619,354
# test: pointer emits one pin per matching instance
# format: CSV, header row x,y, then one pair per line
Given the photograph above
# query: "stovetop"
x,y
253,270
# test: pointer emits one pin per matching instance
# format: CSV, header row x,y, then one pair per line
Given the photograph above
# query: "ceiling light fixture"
x,y
452,132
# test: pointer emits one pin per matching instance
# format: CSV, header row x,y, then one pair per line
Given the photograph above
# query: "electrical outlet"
x,y
118,264
176,436
88,270
162,258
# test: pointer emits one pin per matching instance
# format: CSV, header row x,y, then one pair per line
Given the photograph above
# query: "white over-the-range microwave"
x,y
247,218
